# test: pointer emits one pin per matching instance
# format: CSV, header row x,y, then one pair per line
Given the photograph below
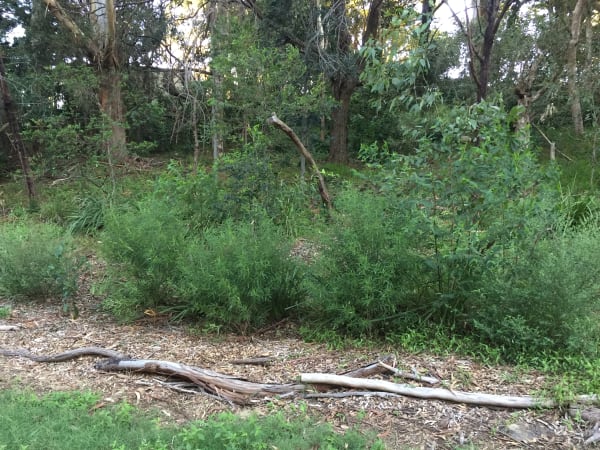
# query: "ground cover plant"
x,y
75,420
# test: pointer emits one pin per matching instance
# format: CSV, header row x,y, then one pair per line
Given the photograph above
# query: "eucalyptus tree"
x,y
108,35
480,33
329,34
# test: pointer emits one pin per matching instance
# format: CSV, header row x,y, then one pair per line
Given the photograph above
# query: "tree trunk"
x,y
14,133
343,89
575,100
111,104
102,48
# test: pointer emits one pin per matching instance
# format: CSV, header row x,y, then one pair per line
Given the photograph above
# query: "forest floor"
x,y
402,422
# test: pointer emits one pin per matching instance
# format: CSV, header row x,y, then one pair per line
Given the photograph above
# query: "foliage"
x,y
37,260
73,421
545,296
239,275
367,281
227,430
236,274
58,142
143,245
5,312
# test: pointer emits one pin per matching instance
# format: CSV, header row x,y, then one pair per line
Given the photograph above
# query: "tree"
x,y
481,36
329,34
96,30
14,131
576,19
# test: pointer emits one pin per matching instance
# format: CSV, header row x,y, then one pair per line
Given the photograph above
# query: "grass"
x,y
77,420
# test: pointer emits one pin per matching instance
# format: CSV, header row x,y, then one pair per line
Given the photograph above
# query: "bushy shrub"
x,y
239,275
545,297
142,245
37,260
368,278
240,187
234,274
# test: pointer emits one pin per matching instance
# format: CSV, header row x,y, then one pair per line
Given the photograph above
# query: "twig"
x,y
410,376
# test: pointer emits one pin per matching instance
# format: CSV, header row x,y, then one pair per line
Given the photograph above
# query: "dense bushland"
x,y
212,247
470,233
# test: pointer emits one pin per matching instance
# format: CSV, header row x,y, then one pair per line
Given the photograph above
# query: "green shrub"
x,y
545,298
235,274
36,261
368,278
239,275
142,245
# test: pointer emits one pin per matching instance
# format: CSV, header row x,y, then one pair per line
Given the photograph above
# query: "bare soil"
x,y
400,421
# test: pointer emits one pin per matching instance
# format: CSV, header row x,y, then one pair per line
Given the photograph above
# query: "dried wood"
x,y
64,356
233,389
471,398
258,361
409,376
9,327
373,368
274,120
351,394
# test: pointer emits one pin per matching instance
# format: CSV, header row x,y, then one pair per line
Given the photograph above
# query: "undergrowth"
x,y
77,420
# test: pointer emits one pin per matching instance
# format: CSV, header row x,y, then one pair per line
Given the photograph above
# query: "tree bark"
x,y
111,105
340,118
576,19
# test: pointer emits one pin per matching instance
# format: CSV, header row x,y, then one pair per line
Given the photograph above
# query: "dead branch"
x,y
64,356
352,394
274,120
9,327
370,369
471,398
235,390
409,376
258,361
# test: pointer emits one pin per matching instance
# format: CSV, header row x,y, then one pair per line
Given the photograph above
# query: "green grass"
x,y
5,312
64,421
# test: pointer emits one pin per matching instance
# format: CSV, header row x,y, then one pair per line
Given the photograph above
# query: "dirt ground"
x,y
401,422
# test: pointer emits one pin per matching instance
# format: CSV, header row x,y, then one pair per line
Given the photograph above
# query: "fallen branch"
x,y
374,368
409,376
64,356
258,361
9,327
352,394
235,390
274,120
481,399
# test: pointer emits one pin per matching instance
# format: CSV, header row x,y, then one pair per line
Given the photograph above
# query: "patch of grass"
x,y
5,312
73,421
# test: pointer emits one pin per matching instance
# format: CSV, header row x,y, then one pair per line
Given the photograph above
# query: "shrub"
x,y
545,297
36,260
368,278
239,275
142,245
236,274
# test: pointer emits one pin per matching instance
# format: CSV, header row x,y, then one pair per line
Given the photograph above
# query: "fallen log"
x,y
470,398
